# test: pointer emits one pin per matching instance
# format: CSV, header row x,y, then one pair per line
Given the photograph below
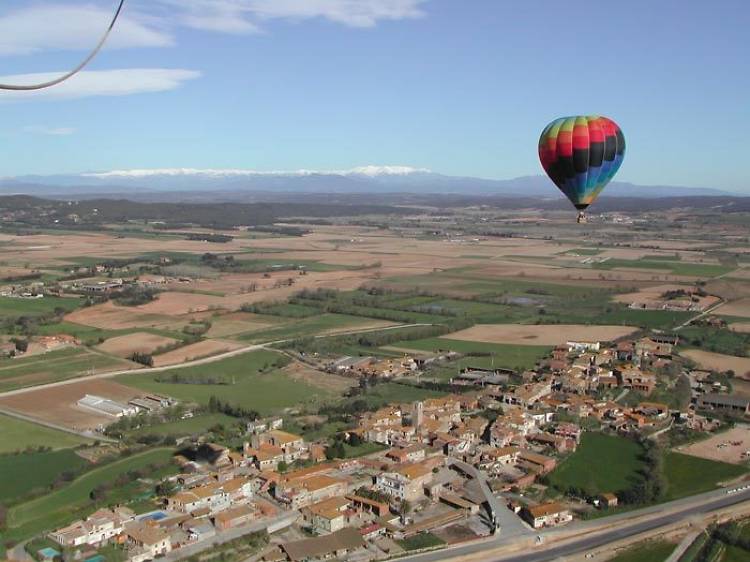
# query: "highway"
x,y
600,532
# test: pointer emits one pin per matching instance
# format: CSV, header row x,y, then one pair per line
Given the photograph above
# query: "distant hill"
x,y
365,180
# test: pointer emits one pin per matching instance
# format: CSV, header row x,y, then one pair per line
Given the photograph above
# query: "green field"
x,y
54,366
650,551
34,471
11,307
18,435
391,392
602,463
669,266
312,326
58,507
500,355
266,392
420,541
687,475
190,426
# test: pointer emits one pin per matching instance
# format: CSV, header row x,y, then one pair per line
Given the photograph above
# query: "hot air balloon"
x,y
581,154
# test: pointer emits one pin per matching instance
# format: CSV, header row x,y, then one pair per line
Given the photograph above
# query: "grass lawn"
x,y
190,426
363,449
420,541
12,307
687,475
735,554
29,471
650,551
54,366
17,435
383,394
504,355
602,463
266,392
58,507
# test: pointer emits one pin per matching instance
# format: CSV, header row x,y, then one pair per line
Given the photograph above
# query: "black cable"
x,y
77,69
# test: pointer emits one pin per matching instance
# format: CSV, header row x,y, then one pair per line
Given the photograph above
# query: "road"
x,y
600,532
197,362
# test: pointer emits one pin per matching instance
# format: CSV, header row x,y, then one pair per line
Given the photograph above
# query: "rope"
x,y
77,69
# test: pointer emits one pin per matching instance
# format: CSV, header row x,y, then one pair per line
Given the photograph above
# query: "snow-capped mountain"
x,y
365,179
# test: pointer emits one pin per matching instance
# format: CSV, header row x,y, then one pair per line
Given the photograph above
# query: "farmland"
x,y
27,472
602,463
47,511
539,334
485,354
687,475
17,435
56,366
251,380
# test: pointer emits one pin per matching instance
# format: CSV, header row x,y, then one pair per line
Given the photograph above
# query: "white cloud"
x,y
121,82
45,27
243,16
50,131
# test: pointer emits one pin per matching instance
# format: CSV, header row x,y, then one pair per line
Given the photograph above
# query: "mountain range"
x,y
367,179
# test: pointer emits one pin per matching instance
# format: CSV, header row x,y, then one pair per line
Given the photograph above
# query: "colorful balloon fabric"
x,y
581,155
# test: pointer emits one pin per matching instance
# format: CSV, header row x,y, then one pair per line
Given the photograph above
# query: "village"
x,y
459,467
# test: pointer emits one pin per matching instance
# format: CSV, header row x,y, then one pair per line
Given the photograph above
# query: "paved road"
x,y
611,529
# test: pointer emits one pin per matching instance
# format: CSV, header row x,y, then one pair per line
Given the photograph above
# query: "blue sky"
x,y
462,87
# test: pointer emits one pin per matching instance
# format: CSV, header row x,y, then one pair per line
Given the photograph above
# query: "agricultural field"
x,y
57,404
61,505
35,471
252,380
391,392
19,435
324,324
540,335
602,463
137,342
484,354
688,475
56,366
13,307
181,428
198,350
719,362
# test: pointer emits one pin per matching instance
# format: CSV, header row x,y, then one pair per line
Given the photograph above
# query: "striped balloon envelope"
x,y
581,154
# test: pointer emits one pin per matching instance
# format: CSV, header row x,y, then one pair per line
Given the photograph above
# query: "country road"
x,y
197,362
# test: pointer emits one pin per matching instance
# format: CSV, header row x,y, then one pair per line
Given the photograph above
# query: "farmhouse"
x,y
146,541
336,544
98,528
546,515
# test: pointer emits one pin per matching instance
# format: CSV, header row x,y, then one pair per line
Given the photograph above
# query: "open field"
x,y
323,324
326,381
238,323
57,405
33,307
34,471
197,350
742,327
540,334
727,446
47,511
250,380
141,342
739,308
55,366
602,463
18,435
719,362
192,426
109,316
687,475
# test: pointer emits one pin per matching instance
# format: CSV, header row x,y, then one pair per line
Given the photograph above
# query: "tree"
x,y
282,466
